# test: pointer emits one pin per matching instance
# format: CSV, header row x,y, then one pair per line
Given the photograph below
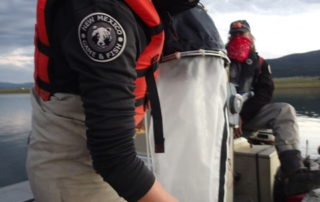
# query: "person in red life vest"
x,y
250,72
90,64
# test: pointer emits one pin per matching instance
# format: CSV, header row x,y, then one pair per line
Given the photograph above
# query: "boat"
x,y
19,192
258,185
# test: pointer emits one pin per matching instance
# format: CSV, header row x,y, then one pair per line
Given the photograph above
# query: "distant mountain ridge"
x,y
295,65
15,85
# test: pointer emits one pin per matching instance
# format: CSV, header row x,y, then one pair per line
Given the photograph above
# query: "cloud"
x,y
18,58
17,18
275,7
17,65
281,27
11,74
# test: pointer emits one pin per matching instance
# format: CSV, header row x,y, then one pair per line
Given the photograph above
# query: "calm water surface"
x,y
307,104
15,117
15,121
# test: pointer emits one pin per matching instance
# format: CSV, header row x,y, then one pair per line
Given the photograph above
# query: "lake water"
x,y
15,118
307,104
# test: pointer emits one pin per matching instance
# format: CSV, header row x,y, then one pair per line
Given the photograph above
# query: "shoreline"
x,y
297,82
15,90
280,83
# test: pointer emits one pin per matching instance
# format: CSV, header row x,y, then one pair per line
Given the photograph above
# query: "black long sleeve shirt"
x,y
261,84
263,87
101,69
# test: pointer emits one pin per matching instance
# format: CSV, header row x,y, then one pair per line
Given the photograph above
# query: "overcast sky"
x,y
281,27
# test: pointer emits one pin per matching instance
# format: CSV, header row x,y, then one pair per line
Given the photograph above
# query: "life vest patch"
x,y
249,61
102,37
269,69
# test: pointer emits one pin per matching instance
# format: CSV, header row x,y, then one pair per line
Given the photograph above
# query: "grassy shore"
x,y
297,82
18,90
291,82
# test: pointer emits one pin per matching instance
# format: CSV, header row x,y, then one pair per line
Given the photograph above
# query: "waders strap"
x,y
153,96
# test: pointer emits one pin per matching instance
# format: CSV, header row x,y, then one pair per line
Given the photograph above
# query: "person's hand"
x,y
238,131
157,194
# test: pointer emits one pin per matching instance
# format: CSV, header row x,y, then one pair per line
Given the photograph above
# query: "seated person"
x,y
250,72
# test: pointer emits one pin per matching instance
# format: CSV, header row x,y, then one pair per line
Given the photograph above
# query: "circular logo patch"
x,y
249,61
101,37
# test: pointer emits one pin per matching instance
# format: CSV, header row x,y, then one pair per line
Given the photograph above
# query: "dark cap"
x,y
239,26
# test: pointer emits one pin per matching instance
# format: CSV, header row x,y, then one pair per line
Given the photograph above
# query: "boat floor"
x,y
19,192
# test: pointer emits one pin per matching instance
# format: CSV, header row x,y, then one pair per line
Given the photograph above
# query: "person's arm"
x,y
101,46
263,92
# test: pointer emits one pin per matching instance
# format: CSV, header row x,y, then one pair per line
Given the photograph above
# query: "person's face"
x,y
246,34
242,34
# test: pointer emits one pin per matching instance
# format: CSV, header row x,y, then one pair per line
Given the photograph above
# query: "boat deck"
x,y
19,192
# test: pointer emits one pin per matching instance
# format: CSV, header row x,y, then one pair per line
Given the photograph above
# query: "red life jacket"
x,y
146,65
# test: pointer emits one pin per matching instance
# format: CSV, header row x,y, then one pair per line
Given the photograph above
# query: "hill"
x,y
6,85
296,65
